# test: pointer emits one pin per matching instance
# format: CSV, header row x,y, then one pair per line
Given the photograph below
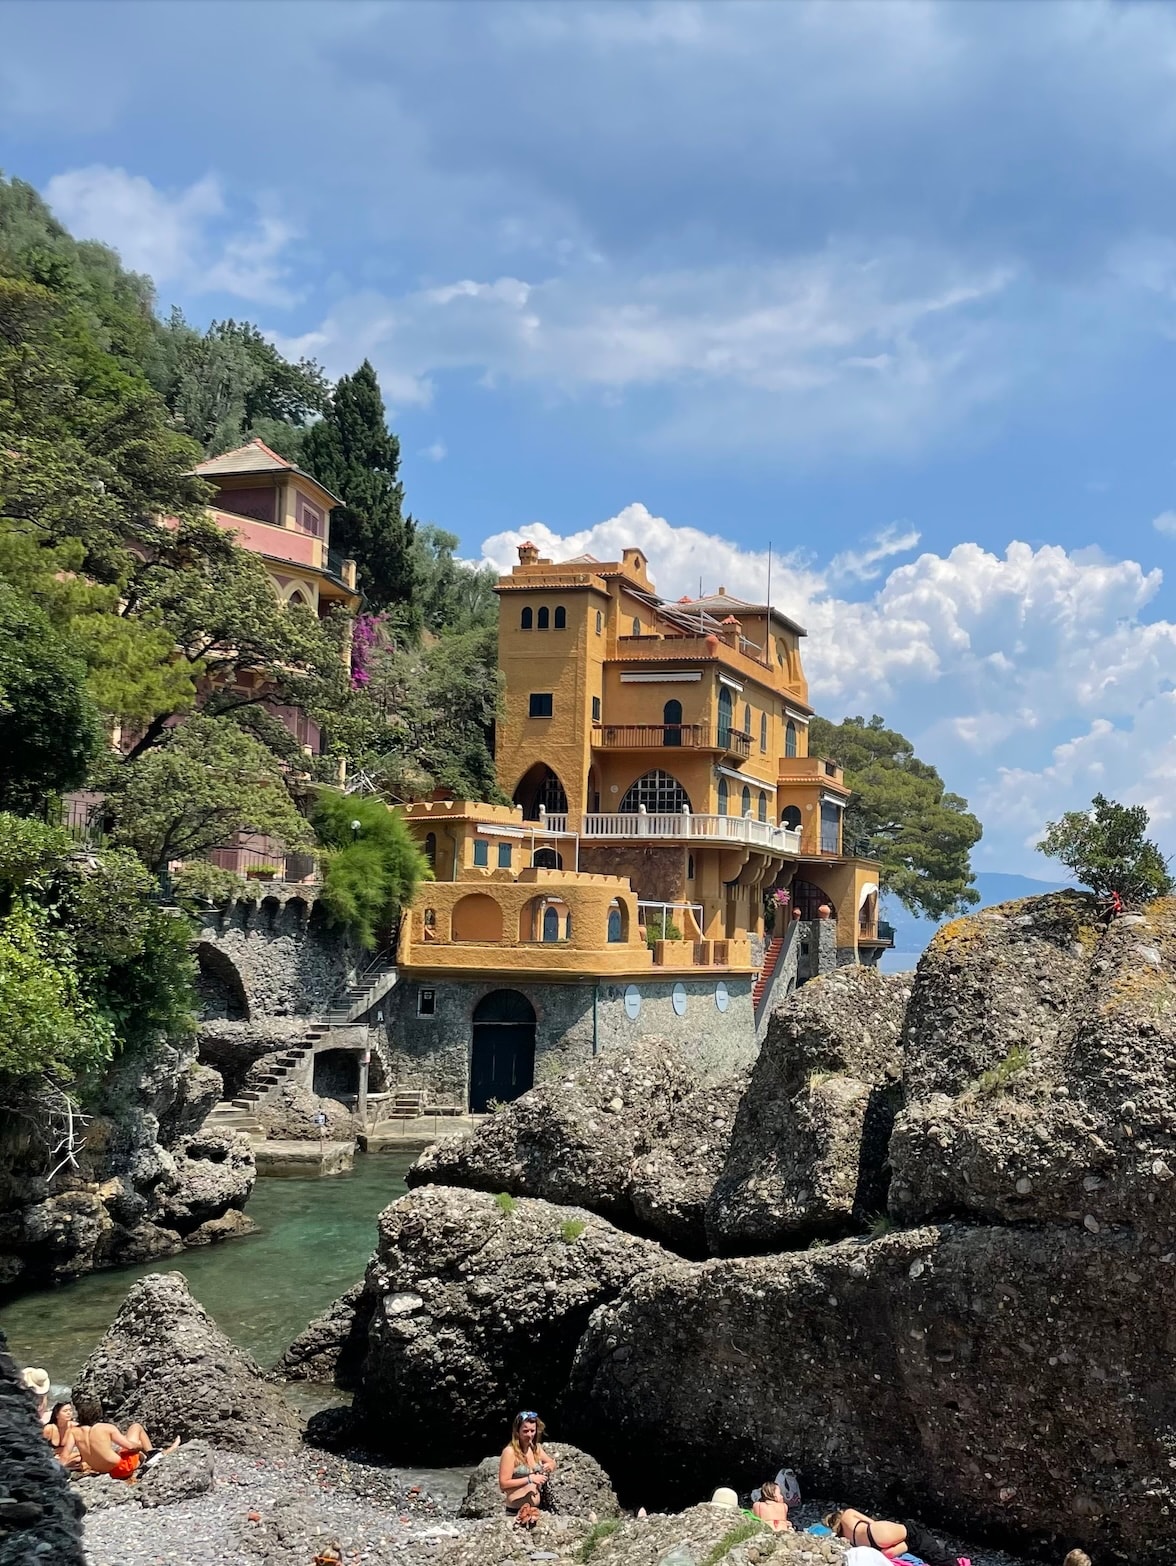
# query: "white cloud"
x,y
1165,523
1031,678
184,239
863,565
436,452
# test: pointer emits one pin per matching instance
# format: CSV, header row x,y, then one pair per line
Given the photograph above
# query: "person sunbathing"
x,y
100,1448
772,1508
888,1538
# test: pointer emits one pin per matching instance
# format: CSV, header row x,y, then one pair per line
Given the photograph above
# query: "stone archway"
x,y
219,986
502,1055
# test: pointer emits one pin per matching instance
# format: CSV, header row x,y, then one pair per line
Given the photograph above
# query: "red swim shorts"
x,y
125,1467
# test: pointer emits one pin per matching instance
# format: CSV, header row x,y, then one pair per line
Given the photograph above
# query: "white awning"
x,y
725,679
833,799
870,889
664,677
742,777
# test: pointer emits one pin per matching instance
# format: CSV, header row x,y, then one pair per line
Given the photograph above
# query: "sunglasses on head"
x,y
528,1413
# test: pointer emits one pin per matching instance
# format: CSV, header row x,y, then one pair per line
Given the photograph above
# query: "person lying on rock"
x,y
524,1467
772,1508
102,1448
888,1538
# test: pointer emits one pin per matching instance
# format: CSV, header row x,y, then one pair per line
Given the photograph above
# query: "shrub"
x,y
371,862
505,1203
1001,1076
1106,849
571,1229
597,1534
659,929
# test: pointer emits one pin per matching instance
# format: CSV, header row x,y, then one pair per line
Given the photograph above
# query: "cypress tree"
x,y
352,452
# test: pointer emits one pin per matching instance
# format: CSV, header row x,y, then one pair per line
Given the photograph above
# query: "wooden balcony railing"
x,y
671,736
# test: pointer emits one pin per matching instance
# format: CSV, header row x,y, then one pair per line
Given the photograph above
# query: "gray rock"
x,y
199,1088
477,1312
214,1172
177,1476
331,1349
40,1518
290,1115
578,1488
165,1363
808,1152
232,1225
232,1048
636,1136
1010,1379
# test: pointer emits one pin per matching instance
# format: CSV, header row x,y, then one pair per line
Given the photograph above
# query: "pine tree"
x,y
353,453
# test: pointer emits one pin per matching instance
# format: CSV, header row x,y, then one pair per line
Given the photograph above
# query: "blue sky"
x,y
890,287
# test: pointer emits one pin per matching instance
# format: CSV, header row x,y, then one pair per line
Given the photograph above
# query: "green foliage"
x,y
1002,1076
49,726
597,1534
371,860
743,1531
48,1026
1106,849
229,385
207,781
452,596
571,1229
197,884
901,815
353,453
505,1203
880,1224
660,928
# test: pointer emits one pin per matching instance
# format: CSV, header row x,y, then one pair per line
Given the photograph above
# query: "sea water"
x,y
313,1242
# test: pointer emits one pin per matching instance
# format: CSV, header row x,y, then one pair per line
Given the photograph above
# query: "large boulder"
x,y
579,1487
1013,1380
291,1114
165,1363
214,1173
635,1135
331,1349
1038,1063
479,1303
40,1519
808,1153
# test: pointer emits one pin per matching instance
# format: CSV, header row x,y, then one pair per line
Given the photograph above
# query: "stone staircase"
x,y
241,1113
771,958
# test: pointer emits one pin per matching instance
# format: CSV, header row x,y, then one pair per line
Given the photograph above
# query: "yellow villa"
x,y
664,797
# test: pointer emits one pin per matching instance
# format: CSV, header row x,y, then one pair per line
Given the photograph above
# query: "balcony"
x,y
875,932
811,769
687,828
671,736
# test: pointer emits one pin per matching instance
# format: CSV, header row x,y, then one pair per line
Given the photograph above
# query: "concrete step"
x,y
246,1097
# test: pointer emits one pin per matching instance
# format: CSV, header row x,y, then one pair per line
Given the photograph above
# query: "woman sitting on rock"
x,y
99,1449
772,1508
524,1467
888,1538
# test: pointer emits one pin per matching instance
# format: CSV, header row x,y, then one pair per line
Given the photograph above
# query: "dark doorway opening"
x,y
502,1059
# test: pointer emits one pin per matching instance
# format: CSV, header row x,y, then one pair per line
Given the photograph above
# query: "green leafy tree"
x,y
901,815
453,596
353,453
207,781
48,1025
1106,849
371,861
49,726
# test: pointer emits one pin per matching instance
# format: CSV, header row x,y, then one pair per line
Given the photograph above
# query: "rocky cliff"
x,y
40,1518
144,1181
943,1218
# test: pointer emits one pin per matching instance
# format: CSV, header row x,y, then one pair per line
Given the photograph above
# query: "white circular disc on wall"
x,y
632,1002
679,999
722,999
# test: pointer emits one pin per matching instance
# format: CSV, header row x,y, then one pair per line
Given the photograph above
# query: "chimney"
x,y
528,553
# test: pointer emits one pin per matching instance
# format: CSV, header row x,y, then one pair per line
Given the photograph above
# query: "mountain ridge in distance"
x,y
912,934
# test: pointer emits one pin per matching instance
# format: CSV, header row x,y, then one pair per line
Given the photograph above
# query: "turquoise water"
x,y
314,1240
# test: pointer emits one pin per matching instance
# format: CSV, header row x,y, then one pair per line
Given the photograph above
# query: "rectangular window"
x,y
481,851
426,1003
504,856
596,709
540,704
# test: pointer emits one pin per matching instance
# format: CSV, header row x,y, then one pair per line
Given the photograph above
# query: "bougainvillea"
x,y
366,635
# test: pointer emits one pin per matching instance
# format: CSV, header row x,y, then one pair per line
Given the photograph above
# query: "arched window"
x,y
809,898
724,715
431,849
550,924
790,738
761,808
690,867
722,796
599,622
661,794
636,627
568,926
747,718
616,925
430,924
526,619
544,619
546,859
791,818
763,731
561,617
539,785
672,723
299,599
745,802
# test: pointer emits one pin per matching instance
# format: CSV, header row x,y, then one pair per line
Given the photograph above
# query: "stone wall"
x,y
816,949
270,959
434,1052
659,871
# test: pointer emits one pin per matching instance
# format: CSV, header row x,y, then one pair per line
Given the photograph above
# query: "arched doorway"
x,y
502,1058
539,785
672,723
659,792
547,859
